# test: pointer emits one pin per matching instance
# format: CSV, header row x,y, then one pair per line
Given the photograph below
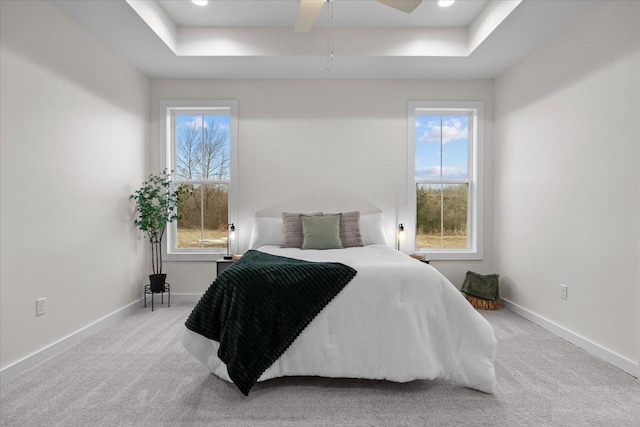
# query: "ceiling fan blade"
x,y
403,5
308,13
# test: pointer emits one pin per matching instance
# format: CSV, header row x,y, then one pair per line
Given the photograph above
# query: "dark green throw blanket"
x,y
258,306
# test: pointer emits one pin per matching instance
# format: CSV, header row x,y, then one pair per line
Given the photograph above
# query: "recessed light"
x,y
445,3
200,2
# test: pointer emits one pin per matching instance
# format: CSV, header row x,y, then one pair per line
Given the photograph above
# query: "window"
x,y
445,167
200,146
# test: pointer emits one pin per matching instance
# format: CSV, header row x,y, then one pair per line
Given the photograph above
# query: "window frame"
x,y
475,179
167,160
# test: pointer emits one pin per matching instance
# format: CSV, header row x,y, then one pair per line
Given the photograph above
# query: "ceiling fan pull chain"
x,y
329,34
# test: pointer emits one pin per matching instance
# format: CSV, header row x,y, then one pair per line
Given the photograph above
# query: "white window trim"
x,y
165,161
476,181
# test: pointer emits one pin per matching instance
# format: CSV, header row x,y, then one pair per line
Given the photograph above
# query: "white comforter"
x,y
398,319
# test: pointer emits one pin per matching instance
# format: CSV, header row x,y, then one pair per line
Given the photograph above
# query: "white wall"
x,y
327,145
74,145
567,188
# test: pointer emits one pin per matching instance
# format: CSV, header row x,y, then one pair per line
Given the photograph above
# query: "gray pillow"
x,y
321,232
292,229
350,233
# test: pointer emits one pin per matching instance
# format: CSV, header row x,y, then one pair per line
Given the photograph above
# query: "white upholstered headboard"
x,y
327,203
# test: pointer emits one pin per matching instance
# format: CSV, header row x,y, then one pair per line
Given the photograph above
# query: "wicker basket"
x,y
483,304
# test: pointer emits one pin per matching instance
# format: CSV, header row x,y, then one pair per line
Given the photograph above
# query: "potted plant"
x,y
156,206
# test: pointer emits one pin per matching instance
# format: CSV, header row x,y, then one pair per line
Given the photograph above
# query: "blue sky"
x,y
196,122
447,134
192,120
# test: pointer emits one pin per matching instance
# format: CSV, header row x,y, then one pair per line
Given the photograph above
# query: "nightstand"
x,y
419,257
222,264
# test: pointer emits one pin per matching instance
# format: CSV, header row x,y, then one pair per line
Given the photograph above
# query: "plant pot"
x,y
157,282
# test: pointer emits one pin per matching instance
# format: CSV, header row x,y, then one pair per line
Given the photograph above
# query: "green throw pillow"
x,y
321,232
479,286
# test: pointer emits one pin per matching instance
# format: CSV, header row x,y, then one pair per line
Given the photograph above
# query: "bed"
x,y
397,319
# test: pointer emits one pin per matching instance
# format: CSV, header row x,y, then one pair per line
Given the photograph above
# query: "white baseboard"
x,y
63,344
620,362
39,356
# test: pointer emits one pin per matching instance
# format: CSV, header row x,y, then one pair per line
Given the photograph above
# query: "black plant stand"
x,y
147,290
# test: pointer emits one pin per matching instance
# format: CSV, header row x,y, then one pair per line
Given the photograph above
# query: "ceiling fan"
x,y
309,10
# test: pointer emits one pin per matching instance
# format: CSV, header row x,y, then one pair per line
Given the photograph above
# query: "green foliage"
x,y
207,207
441,207
156,206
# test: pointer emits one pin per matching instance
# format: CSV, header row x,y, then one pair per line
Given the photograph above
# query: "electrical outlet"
x,y
563,291
41,306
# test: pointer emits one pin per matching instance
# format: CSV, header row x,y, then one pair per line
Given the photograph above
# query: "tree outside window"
x,y
442,185
202,162
446,155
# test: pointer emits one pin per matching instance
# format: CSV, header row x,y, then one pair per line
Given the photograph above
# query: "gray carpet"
x,y
136,373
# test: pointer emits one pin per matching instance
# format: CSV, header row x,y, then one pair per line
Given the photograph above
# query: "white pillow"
x,y
372,229
266,231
